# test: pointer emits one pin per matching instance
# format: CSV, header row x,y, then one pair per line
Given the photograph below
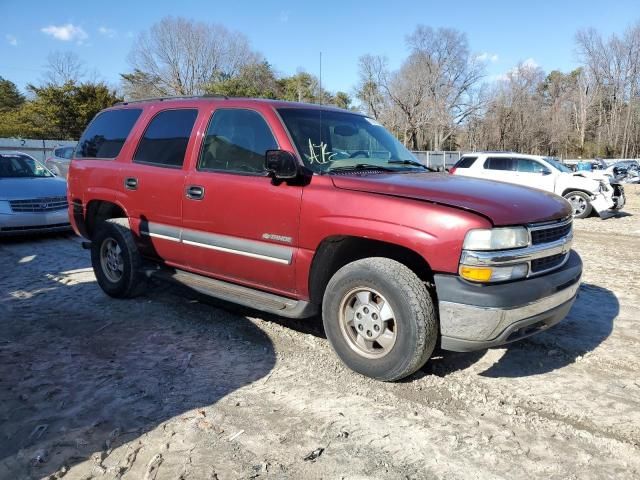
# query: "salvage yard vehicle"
x,y
32,199
586,191
59,162
298,209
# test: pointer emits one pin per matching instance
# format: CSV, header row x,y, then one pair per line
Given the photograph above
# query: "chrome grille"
x,y
540,265
550,234
44,204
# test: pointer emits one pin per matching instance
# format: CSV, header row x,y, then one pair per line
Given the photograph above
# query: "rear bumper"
x,y
474,317
22,223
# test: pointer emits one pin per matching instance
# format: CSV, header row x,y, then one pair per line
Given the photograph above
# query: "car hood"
x,y
502,203
25,188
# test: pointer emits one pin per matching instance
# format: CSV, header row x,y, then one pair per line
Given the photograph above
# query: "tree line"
x,y
439,98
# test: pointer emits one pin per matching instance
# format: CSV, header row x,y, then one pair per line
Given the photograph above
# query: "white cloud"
x,y
66,33
108,32
527,64
488,57
11,39
284,16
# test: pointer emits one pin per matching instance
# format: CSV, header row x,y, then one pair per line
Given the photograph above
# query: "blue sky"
x,y
290,34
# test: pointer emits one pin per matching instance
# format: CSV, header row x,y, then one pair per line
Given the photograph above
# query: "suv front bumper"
x,y
474,317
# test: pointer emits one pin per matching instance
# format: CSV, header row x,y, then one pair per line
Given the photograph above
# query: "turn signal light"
x,y
476,274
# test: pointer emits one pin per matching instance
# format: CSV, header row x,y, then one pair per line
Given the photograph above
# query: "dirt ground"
x,y
175,386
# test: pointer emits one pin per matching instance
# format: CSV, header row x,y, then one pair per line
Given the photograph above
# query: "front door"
x,y
238,224
534,174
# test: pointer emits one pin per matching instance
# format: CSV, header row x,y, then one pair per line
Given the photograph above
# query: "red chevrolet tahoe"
x,y
298,209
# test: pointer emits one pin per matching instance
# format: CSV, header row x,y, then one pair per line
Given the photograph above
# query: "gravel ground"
x,y
175,386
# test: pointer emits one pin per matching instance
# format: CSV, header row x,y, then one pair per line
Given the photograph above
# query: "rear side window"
x,y
165,140
465,162
500,163
236,141
106,134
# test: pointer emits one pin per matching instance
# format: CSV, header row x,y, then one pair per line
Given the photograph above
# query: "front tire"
x,y
580,203
379,318
115,259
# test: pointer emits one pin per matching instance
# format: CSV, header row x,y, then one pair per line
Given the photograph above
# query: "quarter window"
x,y
236,141
500,163
166,138
465,162
106,134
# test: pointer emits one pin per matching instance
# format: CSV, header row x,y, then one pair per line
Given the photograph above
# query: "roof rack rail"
x,y
174,97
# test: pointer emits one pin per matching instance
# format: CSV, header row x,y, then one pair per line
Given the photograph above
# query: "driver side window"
x,y
236,141
530,166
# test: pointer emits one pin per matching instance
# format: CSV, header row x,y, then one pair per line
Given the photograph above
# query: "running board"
x,y
248,297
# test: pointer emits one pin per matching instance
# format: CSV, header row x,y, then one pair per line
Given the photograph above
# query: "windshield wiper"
x,y
360,166
412,162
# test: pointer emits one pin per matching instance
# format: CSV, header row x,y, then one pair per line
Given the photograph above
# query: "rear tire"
x,y
379,318
580,204
115,259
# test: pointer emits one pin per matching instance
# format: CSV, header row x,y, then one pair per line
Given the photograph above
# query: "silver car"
x,y
32,199
59,162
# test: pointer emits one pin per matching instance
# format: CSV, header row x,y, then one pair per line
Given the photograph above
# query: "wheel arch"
x,y
98,211
335,252
581,190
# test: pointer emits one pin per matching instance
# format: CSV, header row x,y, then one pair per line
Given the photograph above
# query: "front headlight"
x,y
5,207
496,238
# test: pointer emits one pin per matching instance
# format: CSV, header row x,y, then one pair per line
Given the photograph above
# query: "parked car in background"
x,y
586,191
59,162
297,209
625,171
32,199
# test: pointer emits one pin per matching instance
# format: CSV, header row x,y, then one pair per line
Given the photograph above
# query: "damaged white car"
x,y
584,190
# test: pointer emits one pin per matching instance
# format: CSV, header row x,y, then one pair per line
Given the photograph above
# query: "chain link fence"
x,y
438,160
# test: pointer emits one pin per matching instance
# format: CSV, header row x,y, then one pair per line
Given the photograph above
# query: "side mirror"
x,y
546,172
281,164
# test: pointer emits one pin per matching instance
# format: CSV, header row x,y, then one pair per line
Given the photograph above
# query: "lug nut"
x,y
374,316
358,316
368,333
366,310
360,327
376,328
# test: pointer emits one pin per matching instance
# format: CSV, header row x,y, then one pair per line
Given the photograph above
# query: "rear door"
x,y
500,168
239,225
154,182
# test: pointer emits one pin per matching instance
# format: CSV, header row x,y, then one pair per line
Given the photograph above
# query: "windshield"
x,y
21,166
328,140
558,165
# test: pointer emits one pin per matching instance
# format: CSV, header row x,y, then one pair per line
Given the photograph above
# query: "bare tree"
x,y
64,67
181,57
450,76
372,73
434,91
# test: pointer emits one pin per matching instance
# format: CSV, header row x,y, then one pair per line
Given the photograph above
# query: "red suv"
x,y
297,209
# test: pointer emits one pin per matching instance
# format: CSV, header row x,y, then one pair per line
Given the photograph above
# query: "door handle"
x,y
131,183
195,192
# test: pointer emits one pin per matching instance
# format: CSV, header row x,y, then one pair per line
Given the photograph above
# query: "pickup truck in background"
x,y
300,210
586,191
